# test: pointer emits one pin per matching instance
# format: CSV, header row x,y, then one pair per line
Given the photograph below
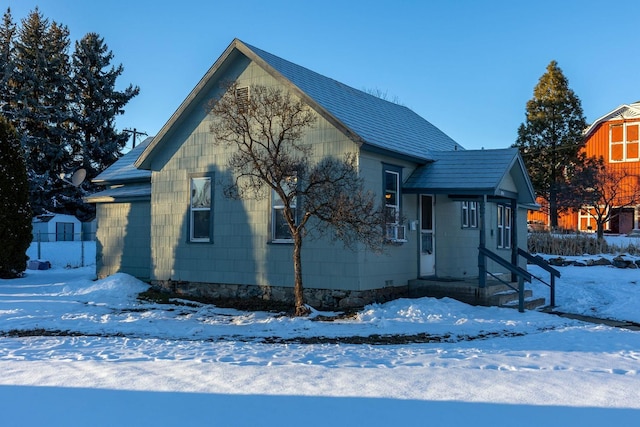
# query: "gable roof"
x,y
125,180
473,172
374,123
624,111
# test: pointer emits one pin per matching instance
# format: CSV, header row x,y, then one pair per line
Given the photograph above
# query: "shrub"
x,y
566,244
574,245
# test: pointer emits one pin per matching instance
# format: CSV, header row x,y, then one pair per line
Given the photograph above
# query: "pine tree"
x,y
96,105
63,107
551,139
7,52
15,212
42,113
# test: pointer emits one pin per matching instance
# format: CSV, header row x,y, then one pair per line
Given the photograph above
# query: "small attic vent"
x,y
242,98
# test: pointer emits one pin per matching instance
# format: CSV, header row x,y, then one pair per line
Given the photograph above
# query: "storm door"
x,y
427,238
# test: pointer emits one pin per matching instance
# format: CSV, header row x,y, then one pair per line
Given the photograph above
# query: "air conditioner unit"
x,y
396,233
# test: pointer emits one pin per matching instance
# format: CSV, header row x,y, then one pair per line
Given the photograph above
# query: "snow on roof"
x,y
123,169
130,191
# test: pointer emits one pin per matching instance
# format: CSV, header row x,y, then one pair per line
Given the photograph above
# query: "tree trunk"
x,y
553,208
600,228
301,308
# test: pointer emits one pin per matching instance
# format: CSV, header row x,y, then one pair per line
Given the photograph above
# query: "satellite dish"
x,y
77,177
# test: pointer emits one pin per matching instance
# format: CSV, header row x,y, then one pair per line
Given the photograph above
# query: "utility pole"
x,y
135,132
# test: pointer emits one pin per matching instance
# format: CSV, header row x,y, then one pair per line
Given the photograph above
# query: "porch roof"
x,y
129,192
473,173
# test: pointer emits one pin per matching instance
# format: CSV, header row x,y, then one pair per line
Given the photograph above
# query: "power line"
x,y
135,132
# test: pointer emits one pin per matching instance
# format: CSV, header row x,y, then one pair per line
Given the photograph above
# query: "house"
x,y
56,228
449,201
616,138
123,211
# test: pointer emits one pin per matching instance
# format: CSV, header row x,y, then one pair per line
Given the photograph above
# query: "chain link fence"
x,y
76,250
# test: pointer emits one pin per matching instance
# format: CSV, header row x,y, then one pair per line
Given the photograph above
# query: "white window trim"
x,y
624,143
277,209
193,209
505,219
395,232
584,213
469,214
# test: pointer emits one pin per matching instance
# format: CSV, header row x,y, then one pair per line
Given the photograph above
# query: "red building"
x,y
616,138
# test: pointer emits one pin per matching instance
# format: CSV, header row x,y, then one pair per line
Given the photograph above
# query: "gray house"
x,y
165,218
123,212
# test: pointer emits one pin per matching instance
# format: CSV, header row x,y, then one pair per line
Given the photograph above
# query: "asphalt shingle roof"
x,y
463,172
129,191
379,123
123,169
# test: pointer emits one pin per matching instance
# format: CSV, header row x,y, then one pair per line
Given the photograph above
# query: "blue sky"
x,y
469,67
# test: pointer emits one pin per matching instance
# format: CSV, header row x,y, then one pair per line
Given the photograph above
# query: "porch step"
x,y
495,293
505,298
529,304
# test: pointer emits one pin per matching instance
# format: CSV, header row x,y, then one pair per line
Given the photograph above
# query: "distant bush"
x,y
565,244
574,245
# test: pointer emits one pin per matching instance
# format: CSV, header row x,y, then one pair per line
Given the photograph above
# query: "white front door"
x,y
427,240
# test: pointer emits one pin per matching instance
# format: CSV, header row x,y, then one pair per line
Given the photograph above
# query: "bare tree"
x,y
605,191
265,130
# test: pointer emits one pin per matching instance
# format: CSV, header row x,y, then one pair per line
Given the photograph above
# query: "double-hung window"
x,y
469,214
624,142
200,209
504,227
392,196
280,232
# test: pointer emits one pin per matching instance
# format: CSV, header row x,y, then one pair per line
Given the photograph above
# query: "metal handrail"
x,y
540,262
514,269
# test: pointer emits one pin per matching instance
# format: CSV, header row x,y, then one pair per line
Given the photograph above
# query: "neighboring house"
x,y
448,201
616,138
56,228
123,213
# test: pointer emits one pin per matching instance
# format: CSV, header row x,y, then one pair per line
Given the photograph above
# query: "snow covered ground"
x,y
131,363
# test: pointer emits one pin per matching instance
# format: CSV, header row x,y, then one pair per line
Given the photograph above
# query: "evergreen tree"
x,y
551,139
96,105
7,51
63,107
42,112
15,212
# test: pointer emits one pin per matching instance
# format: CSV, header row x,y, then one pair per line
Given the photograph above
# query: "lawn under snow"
x,y
131,363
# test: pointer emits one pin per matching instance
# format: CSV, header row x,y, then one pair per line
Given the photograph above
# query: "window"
x,y
200,210
624,142
392,196
469,214
280,232
504,227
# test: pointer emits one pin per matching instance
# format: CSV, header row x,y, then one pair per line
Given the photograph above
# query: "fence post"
x,y
81,251
39,244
